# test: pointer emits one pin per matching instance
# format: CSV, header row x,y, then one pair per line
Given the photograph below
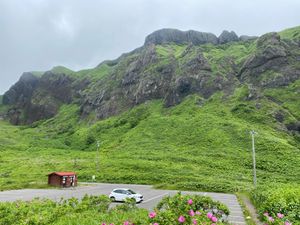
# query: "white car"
x,y
120,194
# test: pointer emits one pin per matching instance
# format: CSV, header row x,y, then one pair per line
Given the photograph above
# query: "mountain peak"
x,y
169,35
227,36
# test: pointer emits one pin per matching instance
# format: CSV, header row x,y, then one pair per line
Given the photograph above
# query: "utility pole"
x,y
252,132
75,163
97,156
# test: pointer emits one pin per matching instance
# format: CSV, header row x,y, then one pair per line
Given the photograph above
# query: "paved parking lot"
x,y
151,196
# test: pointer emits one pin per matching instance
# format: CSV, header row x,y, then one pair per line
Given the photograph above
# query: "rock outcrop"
x,y
34,98
180,37
247,38
227,37
269,66
165,36
21,92
169,73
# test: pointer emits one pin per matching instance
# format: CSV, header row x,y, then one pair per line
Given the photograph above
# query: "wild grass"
x,y
197,145
291,33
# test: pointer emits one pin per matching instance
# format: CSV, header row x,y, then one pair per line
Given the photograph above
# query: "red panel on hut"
x,y
62,179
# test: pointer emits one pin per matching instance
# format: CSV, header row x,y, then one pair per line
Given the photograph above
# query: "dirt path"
x,y
251,210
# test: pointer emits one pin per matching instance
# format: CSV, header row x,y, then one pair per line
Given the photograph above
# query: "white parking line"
x,y
150,199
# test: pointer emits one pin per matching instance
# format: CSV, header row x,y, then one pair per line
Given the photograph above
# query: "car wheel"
x,y
113,199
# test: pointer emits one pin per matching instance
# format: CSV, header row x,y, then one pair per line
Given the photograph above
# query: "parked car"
x,y
120,194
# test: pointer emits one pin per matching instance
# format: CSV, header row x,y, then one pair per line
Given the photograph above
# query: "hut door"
x,y
68,183
73,181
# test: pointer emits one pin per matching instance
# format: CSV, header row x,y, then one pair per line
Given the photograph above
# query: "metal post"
x,y
97,156
253,156
75,163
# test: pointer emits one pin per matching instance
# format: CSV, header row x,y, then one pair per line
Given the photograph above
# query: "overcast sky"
x,y
78,34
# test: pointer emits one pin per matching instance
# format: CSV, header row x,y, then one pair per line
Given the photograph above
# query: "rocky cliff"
x,y
171,65
194,37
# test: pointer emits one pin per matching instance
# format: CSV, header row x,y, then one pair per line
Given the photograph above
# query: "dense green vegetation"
x,y
95,210
281,202
61,69
200,144
197,145
288,97
221,57
189,209
291,33
90,210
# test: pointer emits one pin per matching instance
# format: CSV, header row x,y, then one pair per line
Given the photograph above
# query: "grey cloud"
x,y
39,34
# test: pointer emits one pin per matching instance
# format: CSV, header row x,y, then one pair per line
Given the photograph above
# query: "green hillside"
x,y
291,33
173,115
198,145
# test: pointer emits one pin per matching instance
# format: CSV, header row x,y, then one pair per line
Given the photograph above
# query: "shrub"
x,y
274,201
179,209
39,212
189,209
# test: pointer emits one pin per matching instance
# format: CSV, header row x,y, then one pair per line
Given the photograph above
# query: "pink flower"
x,y
198,213
266,214
155,224
271,219
103,223
126,223
152,215
190,201
280,215
209,215
287,223
214,219
191,213
194,221
213,224
111,224
181,219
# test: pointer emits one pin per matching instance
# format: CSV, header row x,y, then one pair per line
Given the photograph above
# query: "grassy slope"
x,y
291,33
61,69
203,145
219,57
198,144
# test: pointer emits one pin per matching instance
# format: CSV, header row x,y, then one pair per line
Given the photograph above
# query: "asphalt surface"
x,y
151,196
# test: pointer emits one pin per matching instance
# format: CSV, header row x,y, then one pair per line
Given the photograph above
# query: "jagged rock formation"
x,y
180,37
271,54
34,98
171,65
227,37
21,92
165,36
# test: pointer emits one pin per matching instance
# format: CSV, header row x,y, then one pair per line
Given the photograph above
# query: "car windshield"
x,y
131,191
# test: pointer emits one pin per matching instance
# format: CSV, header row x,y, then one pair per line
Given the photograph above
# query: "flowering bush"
x,y
278,204
188,209
179,209
278,220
